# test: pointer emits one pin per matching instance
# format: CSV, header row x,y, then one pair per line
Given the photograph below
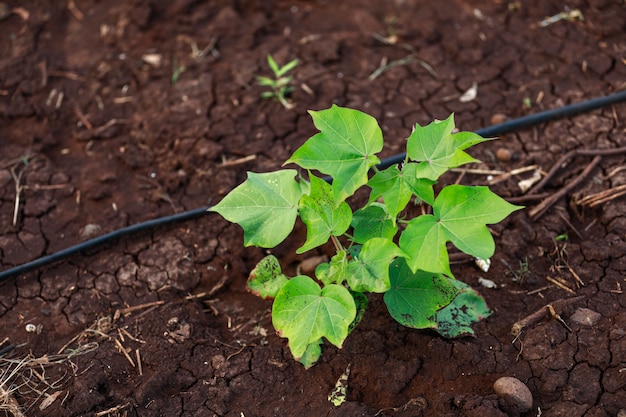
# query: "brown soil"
x,y
101,136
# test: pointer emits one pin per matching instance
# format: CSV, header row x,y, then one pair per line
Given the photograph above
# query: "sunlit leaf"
x,y
266,279
345,148
460,215
304,313
264,205
437,149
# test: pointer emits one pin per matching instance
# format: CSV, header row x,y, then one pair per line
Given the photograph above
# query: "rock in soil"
x,y
514,394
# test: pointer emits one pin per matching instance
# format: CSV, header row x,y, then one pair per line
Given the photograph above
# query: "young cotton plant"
x,y
377,250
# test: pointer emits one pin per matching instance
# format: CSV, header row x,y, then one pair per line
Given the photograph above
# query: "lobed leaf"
x,y
345,148
369,270
372,221
320,215
304,313
415,297
264,205
333,272
437,149
398,186
460,215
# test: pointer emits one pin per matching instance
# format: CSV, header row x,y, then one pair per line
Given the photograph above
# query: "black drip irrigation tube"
x,y
492,131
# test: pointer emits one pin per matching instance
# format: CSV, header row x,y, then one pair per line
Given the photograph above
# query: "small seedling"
x,y
406,259
280,86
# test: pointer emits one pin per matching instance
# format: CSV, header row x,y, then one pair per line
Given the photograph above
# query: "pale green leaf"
x,y
320,215
463,214
304,313
311,354
437,149
415,297
333,272
265,206
424,242
460,215
266,279
345,148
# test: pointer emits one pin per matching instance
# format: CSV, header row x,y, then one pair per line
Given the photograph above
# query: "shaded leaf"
x,y
467,308
320,215
372,221
415,297
398,186
369,270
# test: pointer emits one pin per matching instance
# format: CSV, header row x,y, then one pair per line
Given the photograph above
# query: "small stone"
x,y
504,155
498,118
514,394
90,230
5,11
585,317
308,265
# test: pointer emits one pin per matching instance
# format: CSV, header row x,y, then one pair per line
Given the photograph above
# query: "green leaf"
x,y
369,270
437,149
287,67
460,215
333,272
372,221
266,279
303,313
345,148
415,297
265,206
273,65
265,81
468,307
398,186
320,216
311,354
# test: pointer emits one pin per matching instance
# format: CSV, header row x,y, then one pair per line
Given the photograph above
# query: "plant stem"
x,y
338,246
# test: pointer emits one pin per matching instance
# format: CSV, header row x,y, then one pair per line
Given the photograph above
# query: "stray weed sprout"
x,y
377,250
280,86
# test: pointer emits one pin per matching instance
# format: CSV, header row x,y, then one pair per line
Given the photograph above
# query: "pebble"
x,y
5,11
504,155
514,394
585,317
498,118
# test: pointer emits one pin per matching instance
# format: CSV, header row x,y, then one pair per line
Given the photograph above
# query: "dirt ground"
x,y
113,113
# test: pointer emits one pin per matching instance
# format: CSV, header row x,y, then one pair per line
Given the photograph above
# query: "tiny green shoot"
x,y
379,248
280,86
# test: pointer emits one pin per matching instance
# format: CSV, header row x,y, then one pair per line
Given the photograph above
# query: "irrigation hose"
x,y
492,131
